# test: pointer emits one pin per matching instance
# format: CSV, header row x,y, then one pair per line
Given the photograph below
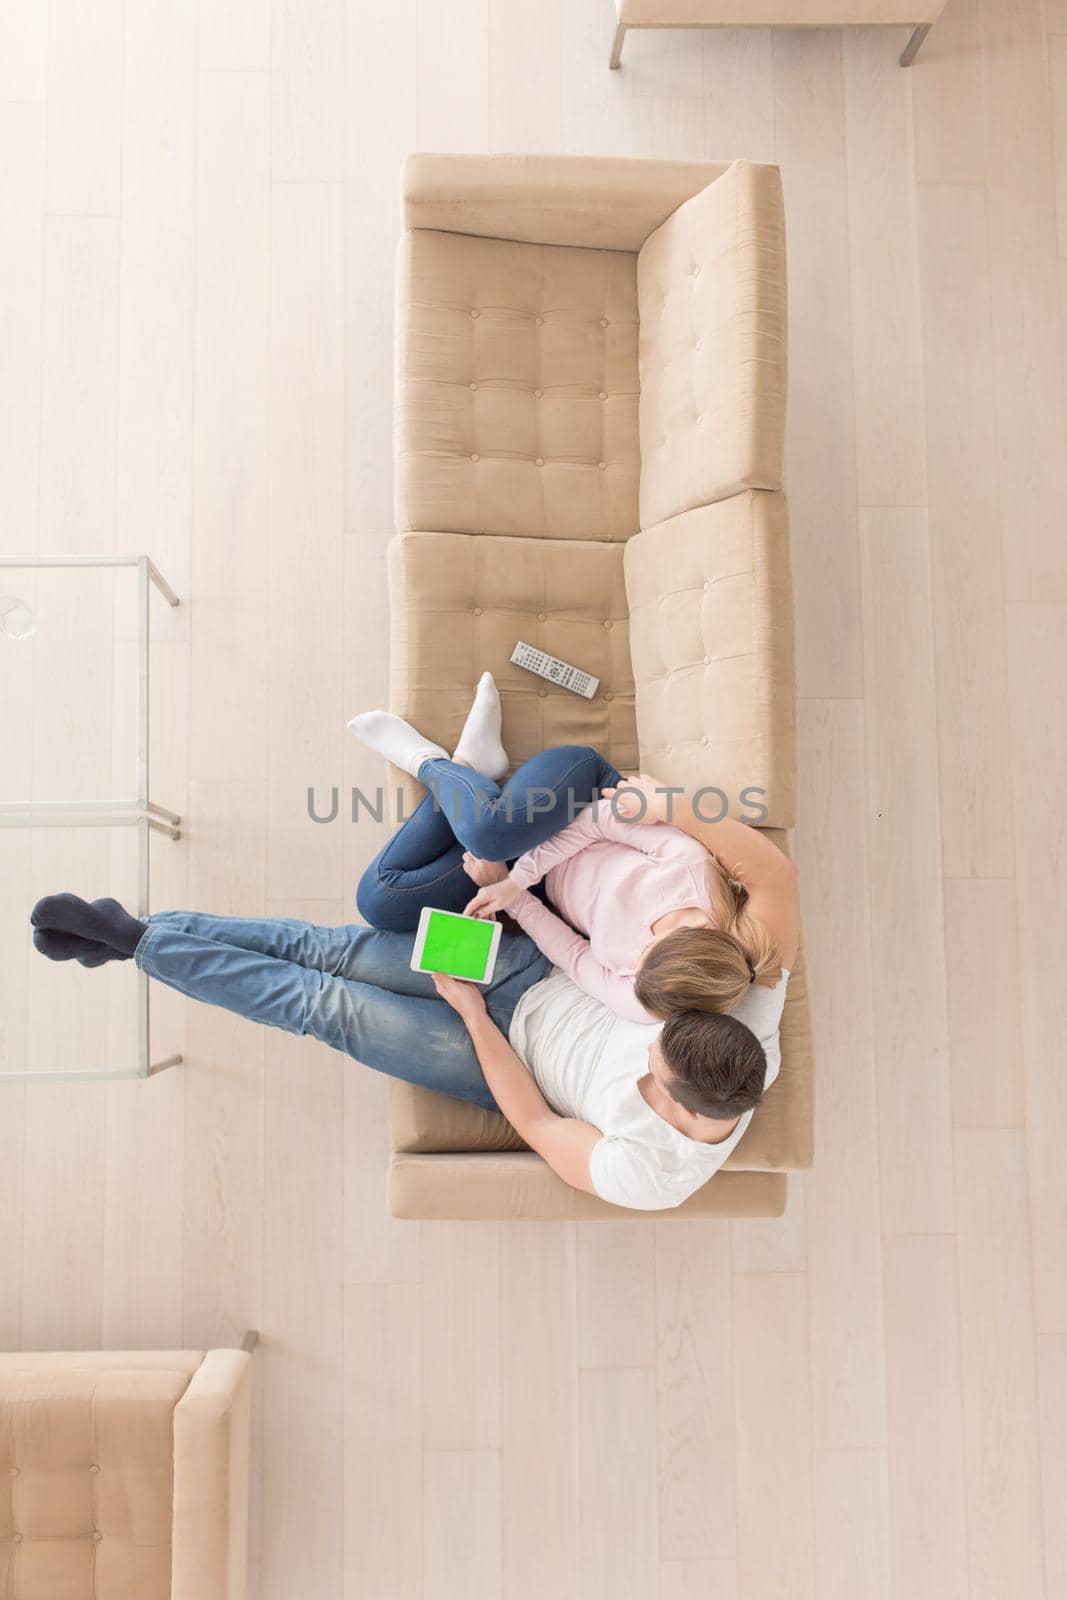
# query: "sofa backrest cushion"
x,y
86,1476
516,388
711,643
711,292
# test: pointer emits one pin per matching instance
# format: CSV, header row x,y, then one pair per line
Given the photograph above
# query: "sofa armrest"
x,y
211,1461
600,202
520,1187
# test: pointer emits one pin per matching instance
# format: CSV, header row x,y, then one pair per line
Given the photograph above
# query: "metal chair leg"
x,y
911,49
616,47
250,1340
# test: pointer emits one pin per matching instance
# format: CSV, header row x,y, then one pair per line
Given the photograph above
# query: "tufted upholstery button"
x,y
16,1538
475,313
602,465
542,616
543,694
97,1535
696,272
477,611
603,322
698,345
472,386
707,661
94,1468
540,321
538,393
602,395
475,456
704,740
699,418
707,583
607,624
14,1471
540,461
609,698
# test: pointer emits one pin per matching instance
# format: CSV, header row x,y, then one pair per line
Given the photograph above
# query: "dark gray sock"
x,y
102,921
72,947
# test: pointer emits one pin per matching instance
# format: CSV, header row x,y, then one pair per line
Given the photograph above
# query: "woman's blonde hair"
x,y
709,969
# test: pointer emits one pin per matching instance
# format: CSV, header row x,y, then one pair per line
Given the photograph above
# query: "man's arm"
x,y
564,1142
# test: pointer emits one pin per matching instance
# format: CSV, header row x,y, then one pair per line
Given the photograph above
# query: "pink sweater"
x,y
611,880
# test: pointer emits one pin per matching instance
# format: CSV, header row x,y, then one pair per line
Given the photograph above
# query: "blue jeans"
x,y
353,988
422,865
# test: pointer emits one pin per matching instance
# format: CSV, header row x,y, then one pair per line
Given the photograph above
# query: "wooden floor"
x,y
866,1399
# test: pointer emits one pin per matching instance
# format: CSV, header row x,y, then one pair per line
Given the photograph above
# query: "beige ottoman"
x,y
919,15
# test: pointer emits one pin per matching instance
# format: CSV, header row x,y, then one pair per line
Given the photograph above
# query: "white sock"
x,y
479,744
396,740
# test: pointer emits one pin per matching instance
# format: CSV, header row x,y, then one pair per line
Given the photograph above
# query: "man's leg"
x,y
411,1035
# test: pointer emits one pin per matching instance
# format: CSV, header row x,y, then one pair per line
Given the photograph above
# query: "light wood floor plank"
x,y
84,108
820,439
664,61
307,90
230,509
620,1555
383,1459
461,1491
1037,665
852,1525
668,127
698,1580
1052,1415
1025,300
461,1336
156,295
949,137
305,722
525,73
926,1477
985,1029
63,1216
738,93
234,35
1000,1423
540,1525
23,51
843,1215
887,357
22,147
772,1396
594,103
79,384
302,1355
452,55
911,1029
695,1382
616,1311
1057,62
774,1244
965,568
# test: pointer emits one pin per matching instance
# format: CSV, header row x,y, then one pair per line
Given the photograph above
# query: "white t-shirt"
x,y
588,1062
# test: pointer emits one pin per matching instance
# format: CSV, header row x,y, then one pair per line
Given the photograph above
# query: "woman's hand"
x,y
465,998
497,897
483,873
626,799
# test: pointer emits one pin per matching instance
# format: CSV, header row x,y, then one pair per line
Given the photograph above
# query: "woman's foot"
x,y
483,873
396,740
72,947
479,744
101,921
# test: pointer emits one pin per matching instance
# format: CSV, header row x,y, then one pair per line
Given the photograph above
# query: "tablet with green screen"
x,y
464,947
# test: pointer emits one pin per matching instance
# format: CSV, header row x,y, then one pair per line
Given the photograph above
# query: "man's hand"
x,y
626,799
497,897
483,873
465,998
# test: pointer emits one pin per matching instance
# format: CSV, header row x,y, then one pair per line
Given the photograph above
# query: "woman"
x,y
669,918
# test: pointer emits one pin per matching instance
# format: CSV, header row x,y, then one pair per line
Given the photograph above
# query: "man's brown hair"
x,y
717,1064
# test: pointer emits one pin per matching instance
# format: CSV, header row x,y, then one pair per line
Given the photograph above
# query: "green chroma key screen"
x,y
456,945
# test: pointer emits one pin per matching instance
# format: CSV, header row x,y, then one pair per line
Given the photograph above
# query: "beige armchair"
x,y
590,405
919,15
124,1475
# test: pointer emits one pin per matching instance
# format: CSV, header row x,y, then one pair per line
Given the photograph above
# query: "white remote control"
x,y
556,671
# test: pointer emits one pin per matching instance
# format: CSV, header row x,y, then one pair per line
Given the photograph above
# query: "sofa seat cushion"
x,y
712,300
459,605
516,388
711,640
86,1475
778,1139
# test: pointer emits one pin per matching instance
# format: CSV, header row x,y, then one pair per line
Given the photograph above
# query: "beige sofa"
x,y
124,1475
590,401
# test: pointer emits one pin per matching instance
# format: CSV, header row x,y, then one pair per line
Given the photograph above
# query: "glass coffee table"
x,y
60,1012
